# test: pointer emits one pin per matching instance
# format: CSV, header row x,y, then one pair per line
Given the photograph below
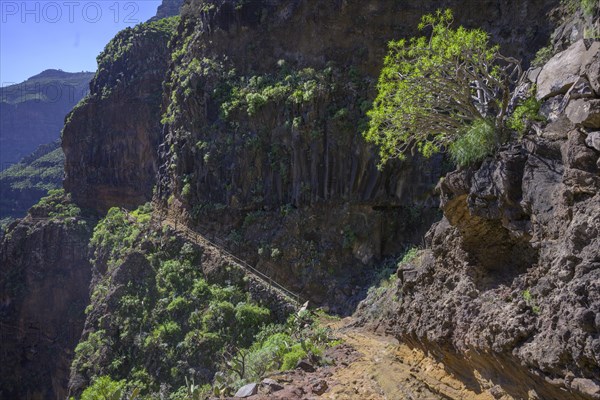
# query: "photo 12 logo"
x,y
69,11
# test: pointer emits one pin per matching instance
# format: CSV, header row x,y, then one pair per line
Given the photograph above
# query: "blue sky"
x,y
61,34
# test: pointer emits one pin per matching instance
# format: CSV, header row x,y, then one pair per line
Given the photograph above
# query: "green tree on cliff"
x,y
446,91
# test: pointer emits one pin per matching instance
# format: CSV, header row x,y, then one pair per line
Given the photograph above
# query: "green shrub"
x,y
186,191
543,55
174,277
248,320
219,317
291,358
275,253
104,388
57,205
525,112
410,255
426,95
478,141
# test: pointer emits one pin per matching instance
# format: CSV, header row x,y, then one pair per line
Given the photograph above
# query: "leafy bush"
x,y
104,388
117,232
56,205
291,358
431,88
410,255
175,277
276,347
478,142
526,112
589,7
164,320
543,55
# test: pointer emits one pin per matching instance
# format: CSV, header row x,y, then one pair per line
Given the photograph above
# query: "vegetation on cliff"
x,y
446,91
268,153
121,113
161,317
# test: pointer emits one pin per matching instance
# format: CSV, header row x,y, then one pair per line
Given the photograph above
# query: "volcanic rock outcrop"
x,y
111,138
265,105
508,290
43,291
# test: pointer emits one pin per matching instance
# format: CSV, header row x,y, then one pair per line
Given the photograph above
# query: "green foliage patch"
x,y
478,141
277,347
155,318
526,112
431,88
56,205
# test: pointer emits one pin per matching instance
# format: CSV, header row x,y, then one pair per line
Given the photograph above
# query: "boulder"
x,y
581,90
585,112
561,72
553,108
319,387
305,366
591,67
248,390
587,386
576,154
271,385
593,140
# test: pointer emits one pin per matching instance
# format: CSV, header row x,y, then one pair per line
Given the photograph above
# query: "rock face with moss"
x,y
44,290
32,113
264,105
511,273
111,138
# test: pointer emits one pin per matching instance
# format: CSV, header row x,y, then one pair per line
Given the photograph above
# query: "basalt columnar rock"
x,y
111,138
508,290
265,104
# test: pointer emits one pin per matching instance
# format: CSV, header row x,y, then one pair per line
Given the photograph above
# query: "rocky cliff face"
x,y
110,142
111,138
168,8
265,104
511,273
32,113
44,291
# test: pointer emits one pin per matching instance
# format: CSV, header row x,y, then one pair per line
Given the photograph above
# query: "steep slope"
x,y
32,113
164,310
25,183
511,274
45,275
168,8
265,103
111,138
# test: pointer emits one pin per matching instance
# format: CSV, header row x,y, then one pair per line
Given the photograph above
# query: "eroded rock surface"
x,y
44,291
265,104
507,292
111,138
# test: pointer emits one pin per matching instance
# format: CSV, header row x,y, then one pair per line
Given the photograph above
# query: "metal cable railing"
x,y
219,244
203,237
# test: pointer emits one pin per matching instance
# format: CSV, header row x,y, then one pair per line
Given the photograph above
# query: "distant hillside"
x,y
24,183
32,113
